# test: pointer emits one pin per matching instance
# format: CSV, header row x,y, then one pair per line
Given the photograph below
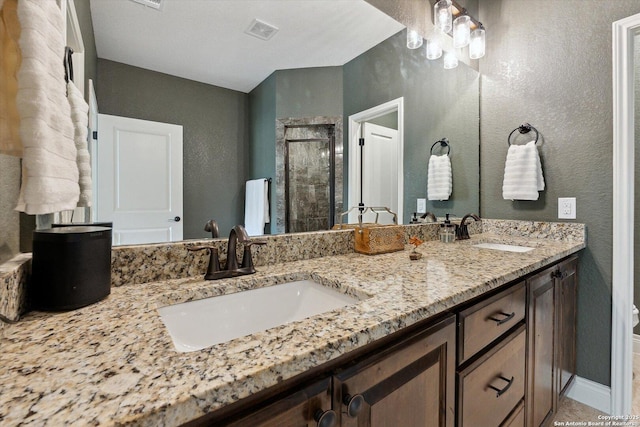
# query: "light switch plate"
x,y
566,208
422,206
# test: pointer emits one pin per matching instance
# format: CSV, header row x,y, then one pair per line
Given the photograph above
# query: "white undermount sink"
x,y
199,324
503,247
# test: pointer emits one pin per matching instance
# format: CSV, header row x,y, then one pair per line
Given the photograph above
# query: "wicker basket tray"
x,y
373,238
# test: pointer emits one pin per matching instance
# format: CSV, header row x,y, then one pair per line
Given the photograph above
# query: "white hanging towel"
x,y
49,169
523,177
256,206
439,179
80,118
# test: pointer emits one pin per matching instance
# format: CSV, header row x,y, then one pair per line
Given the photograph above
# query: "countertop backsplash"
x,y
139,264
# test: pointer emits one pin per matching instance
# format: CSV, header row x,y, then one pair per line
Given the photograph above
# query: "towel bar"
x,y
524,128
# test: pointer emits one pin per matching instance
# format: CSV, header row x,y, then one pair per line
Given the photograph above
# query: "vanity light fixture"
x,y
443,15
414,39
450,60
452,19
461,31
434,44
477,43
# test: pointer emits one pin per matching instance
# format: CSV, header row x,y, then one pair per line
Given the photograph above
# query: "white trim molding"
x,y
636,344
590,393
355,124
624,31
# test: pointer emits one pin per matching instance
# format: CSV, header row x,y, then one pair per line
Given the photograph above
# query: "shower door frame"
x,y
280,179
332,170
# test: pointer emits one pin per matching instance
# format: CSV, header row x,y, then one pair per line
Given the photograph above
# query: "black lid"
x,y
84,224
71,234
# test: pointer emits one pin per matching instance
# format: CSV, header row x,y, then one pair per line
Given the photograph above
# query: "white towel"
x,y
256,206
523,177
80,119
439,179
49,169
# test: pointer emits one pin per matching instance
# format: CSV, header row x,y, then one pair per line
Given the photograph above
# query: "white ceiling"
x,y
204,40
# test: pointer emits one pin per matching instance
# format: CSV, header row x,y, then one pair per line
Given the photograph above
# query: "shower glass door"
x,y
309,178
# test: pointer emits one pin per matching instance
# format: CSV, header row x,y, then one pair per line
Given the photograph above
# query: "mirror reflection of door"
x,y
139,179
376,177
309,177
379,170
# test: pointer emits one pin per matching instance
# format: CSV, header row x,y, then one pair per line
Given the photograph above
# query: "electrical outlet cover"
x,y
422,206
566,208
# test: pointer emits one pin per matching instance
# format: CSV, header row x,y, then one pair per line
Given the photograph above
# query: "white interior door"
x,y
92,145
380,170
139,179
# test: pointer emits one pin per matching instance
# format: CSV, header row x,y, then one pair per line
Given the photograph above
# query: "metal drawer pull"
x,y
503,320
505,388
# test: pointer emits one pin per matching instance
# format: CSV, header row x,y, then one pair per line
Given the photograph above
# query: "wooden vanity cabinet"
x,y
566,293
409,384
303,408
408,381
492,359
551,339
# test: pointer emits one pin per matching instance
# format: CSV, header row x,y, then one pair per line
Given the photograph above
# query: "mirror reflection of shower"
x,y
310,177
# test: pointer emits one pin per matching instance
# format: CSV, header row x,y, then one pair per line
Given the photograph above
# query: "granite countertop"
x,y
114,362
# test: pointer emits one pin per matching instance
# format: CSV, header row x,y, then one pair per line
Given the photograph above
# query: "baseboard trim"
x,y
591,393
636,343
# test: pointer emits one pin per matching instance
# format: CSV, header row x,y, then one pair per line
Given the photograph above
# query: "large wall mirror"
x,y
230,129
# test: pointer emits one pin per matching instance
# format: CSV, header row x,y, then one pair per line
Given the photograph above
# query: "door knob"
x,y
176,219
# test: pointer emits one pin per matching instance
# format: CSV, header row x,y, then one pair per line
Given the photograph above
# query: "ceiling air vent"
x,y
261,30
154,4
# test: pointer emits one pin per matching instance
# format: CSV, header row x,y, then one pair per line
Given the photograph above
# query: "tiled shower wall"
x,y
284,129
309,177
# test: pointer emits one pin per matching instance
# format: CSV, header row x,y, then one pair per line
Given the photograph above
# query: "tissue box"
x,y
373,239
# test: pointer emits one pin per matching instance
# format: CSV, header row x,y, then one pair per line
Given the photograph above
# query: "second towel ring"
x,y
524,128
444,142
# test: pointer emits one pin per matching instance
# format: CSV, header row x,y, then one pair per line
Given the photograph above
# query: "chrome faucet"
x,y
462,232
237,235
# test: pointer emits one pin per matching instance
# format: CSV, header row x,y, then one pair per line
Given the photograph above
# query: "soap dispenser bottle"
x,y
447,231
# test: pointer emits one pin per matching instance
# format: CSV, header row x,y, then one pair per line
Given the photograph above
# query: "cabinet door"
x,y
542,304
411,384
299,409
566,289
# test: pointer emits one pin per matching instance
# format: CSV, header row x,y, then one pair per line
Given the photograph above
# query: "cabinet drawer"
x,y
492,386
516,418
485,321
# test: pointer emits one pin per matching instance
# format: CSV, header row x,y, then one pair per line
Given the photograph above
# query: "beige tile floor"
x,y
570,410
635,402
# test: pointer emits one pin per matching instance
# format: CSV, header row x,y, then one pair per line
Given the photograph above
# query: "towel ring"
x,y
524,128
444,142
